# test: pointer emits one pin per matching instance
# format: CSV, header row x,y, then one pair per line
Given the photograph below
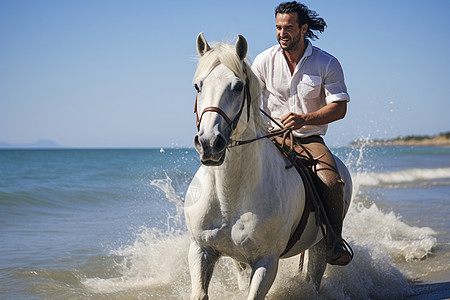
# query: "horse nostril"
x,y
220,143
197,144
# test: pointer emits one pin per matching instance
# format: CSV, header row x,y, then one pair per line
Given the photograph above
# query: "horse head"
x,y
222,82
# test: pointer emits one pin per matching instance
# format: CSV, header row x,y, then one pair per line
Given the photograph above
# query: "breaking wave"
x,y
403,177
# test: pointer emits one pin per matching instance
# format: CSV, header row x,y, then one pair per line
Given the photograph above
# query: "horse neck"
x,y
241,169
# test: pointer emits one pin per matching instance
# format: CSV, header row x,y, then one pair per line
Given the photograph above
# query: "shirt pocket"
x,y
310,86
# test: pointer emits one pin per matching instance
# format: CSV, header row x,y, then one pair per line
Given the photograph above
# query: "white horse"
x,y
243,202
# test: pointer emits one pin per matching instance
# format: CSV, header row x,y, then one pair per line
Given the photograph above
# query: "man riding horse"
x,y
303,88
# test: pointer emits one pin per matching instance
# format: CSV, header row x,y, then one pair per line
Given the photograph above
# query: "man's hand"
x,y
293,121
327,114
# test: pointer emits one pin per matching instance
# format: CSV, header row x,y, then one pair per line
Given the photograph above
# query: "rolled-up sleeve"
x,y
335,89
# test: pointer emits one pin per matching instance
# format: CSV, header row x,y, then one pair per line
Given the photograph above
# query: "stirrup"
x,y
342,253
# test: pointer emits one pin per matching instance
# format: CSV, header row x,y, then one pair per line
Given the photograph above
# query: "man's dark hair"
x,y
305,15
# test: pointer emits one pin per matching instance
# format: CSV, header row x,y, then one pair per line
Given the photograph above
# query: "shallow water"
x,y
108,224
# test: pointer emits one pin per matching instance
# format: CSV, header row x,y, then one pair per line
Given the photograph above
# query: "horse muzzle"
x,y
212,148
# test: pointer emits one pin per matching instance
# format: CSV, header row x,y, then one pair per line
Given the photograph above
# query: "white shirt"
x,y
317,81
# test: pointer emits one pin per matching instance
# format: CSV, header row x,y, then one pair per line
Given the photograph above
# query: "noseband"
x,y
218,110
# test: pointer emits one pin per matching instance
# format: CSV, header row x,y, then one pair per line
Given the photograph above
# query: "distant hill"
x,y
440,140
39,144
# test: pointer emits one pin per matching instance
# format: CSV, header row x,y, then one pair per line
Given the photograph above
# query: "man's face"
x,y
289,34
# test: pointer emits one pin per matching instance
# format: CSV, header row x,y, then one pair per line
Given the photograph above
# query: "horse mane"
x,y
223,53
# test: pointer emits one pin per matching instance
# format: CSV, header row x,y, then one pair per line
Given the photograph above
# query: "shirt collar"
x,y
308,52
309,49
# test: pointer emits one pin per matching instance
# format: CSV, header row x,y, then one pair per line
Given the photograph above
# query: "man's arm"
x,y
329,113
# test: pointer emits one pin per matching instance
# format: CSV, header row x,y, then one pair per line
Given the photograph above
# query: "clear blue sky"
x,y
107,73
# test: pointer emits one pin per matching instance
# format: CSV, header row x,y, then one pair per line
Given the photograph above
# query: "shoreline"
x,y
441,140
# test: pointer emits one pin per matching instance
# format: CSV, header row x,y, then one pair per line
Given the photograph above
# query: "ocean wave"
x,y
399,177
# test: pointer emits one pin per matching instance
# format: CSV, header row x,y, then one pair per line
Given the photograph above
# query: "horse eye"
x,y
238,87
196,87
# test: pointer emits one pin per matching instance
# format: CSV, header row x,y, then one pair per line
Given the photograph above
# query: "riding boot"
x,y
338,250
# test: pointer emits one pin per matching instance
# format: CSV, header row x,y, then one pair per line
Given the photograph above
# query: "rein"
x,y
282,130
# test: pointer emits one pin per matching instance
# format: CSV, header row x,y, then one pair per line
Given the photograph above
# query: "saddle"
x,y
305,165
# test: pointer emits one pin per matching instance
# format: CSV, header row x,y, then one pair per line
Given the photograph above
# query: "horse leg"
x,y
263,275
316,263
243,276
201,267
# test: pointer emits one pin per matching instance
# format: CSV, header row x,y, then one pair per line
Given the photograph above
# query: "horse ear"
x,y
202,44
241,47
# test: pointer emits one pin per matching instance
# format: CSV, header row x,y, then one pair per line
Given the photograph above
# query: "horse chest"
x,y
232,239
225,235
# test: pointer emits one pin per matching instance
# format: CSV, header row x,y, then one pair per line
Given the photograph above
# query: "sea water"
x,y
109,224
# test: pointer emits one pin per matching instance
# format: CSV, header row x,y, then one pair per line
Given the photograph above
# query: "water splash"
x,y
155,261
155,264
385,235
174,223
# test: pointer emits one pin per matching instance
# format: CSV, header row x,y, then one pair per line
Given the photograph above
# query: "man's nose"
x,y
283,32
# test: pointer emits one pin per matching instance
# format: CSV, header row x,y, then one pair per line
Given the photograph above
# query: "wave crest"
x,y
404,176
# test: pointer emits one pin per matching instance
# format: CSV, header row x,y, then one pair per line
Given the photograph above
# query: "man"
x,y
304,89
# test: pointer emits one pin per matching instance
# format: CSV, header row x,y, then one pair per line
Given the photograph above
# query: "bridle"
x,y
233,123
218,110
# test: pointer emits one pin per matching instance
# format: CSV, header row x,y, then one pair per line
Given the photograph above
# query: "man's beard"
x,y
293,45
